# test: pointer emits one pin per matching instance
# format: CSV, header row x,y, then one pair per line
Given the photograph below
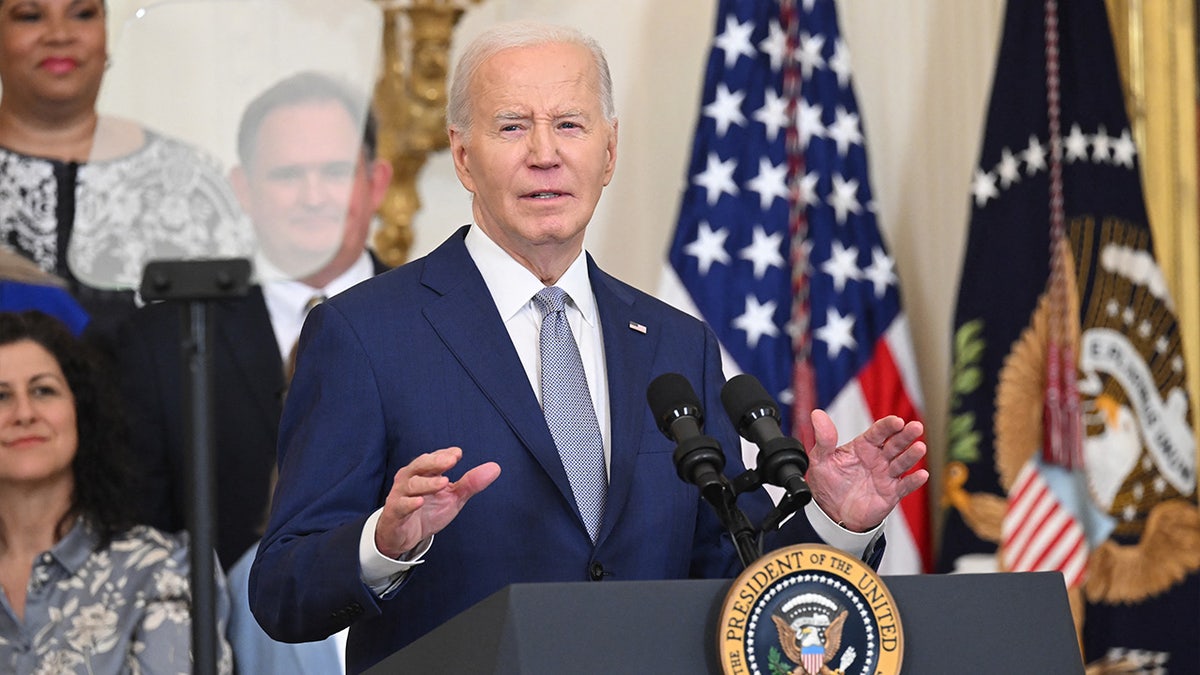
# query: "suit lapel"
x,y
628,354
466,320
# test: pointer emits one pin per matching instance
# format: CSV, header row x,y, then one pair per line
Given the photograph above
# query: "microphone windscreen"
x,y
744,393
668,393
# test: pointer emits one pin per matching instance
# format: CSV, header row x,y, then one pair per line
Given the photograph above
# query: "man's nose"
x,y
313,190
543,146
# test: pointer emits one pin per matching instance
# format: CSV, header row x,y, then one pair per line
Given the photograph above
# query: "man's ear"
x,y
611,166
241,186
458,151
379,177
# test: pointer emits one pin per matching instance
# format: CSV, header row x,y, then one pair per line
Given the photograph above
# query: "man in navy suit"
x,y
414,391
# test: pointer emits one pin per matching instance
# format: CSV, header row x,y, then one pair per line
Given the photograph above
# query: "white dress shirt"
x,y
287,300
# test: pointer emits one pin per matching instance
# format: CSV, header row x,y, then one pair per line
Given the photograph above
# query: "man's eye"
x,y
338,170
285,174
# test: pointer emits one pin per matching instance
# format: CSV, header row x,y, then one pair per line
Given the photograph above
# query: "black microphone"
x,y
781,459
678,414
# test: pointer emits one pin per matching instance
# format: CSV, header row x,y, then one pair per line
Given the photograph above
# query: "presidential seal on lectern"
x,y
809,610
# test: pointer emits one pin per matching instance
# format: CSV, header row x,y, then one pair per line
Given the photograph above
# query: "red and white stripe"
x,y
1039,533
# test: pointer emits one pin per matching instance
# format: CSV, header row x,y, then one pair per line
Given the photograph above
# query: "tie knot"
x,y
313,302
549,299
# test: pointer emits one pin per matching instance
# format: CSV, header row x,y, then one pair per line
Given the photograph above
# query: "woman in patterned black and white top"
x,y
82,590
87,197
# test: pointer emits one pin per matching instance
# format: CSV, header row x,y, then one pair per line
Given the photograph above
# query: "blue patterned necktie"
x,y
567,404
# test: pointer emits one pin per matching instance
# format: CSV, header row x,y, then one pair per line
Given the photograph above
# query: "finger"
x,y
824,433
883,429
909,434
434,463
415,486
399,506
910,483
906,460
477,479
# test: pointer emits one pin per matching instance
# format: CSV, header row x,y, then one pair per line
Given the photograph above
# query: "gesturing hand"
x,y
859,483
423,501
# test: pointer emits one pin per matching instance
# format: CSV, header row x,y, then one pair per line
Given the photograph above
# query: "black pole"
x,y
197,284
202,488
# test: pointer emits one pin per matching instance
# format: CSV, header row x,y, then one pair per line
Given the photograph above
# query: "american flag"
x,y
777,245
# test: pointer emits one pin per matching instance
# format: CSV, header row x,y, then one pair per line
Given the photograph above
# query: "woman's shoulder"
x,y
143,546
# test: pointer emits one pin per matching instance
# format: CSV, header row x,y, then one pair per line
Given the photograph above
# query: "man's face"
x,y
307,190
539,151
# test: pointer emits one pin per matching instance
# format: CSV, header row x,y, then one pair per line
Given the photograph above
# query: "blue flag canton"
x,y
732,246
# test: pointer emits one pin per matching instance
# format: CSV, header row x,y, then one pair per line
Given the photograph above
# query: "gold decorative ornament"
x,y
410,103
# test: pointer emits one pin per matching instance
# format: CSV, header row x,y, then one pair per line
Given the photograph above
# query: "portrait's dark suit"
x,y
247,400
419,359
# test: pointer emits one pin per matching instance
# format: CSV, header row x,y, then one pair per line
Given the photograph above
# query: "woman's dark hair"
x,y
103,475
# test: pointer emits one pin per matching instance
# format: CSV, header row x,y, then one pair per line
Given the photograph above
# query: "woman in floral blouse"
x,y
91,197
82,589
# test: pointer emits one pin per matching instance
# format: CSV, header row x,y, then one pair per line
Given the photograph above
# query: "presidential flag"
x,y
1070,444
777,245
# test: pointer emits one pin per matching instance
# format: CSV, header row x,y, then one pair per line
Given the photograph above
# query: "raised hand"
x,y
423,501
859,483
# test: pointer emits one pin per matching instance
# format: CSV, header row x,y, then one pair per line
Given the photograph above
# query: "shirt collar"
x,y
294,295
512,285
72,551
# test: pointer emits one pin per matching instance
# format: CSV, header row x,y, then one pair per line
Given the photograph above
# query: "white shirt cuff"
x,y
379,572
854,543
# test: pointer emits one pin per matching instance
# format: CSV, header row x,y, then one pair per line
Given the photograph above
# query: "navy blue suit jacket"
x,y
419,359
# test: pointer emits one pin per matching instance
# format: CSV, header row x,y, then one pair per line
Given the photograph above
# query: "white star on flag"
x,y
1124,150
984,187
763,252
1075,145
709,247
774,45
809,53
809,123
1034,156
844,198
837,333
881,272
769,183
1009,169
772,114
735,41
842,265
717,178
758,320
726,110
845,130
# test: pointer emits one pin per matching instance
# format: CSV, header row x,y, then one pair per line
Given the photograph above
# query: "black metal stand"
x,y
196,284
723,498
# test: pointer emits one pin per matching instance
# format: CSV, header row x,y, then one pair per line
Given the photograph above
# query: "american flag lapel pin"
x,y
633,325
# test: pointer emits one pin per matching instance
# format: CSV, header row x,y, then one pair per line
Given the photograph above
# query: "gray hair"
x,y
509,36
